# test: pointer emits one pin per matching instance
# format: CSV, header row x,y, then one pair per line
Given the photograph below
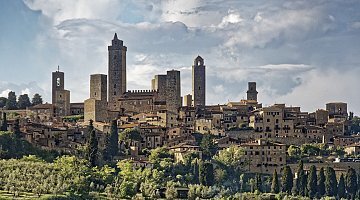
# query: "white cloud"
x,y
278,44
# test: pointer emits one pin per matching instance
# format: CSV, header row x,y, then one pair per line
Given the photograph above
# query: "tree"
x,y
321,182
330,182
258,185
207,146
4,123
341,187
24,101
351,183
16,128
275,188
3,101
114,140
294,151
11,101
92,145
37,99
287,180
300,183
105,153
206,173
311,182
170,192
231,156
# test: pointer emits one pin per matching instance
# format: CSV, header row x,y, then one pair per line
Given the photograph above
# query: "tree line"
x,y
315,184
13,103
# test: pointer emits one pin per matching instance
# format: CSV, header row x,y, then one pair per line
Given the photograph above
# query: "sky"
x,y
302,52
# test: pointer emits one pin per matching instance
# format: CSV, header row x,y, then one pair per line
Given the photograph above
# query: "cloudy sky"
x,y
301,52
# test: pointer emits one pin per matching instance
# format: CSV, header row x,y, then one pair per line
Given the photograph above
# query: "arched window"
x,y
58,82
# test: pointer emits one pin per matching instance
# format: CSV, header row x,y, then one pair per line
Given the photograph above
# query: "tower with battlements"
x,y
198,82
116,70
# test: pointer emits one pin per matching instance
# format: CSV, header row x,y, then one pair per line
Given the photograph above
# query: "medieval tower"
x,y
252,93
60,96
173,91
198,82
57,83
116,70
95,108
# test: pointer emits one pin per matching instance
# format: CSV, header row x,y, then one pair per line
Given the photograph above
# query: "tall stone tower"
x,y
60,96
173,91
198,82
98,87
159,84
57,83
252,93
117,70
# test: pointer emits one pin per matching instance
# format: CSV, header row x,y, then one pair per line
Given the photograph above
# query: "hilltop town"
x,y
270,137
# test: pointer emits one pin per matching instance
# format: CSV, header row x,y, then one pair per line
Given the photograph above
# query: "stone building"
x,y
95,107
337,110
117,70
187,100
159,85
173,92
263,156
198,82
60,96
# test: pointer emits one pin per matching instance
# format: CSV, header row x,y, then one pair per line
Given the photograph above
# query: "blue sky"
x,y
302,53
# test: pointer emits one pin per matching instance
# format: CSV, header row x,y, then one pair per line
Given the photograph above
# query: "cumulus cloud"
x,y
283,45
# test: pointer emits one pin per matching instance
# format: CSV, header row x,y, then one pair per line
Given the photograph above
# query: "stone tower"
x,y
252,93
117,70
159,84
57,83
95,108
98,87
173,91
60,96
198,82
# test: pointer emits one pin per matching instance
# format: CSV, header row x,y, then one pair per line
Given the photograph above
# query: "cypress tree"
x,y
258,182
330,182
92,145
4,123
206,173
351,183
287,180
16,128
275,188
300,182
341,187
321,183
311,184
114,140
105,153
